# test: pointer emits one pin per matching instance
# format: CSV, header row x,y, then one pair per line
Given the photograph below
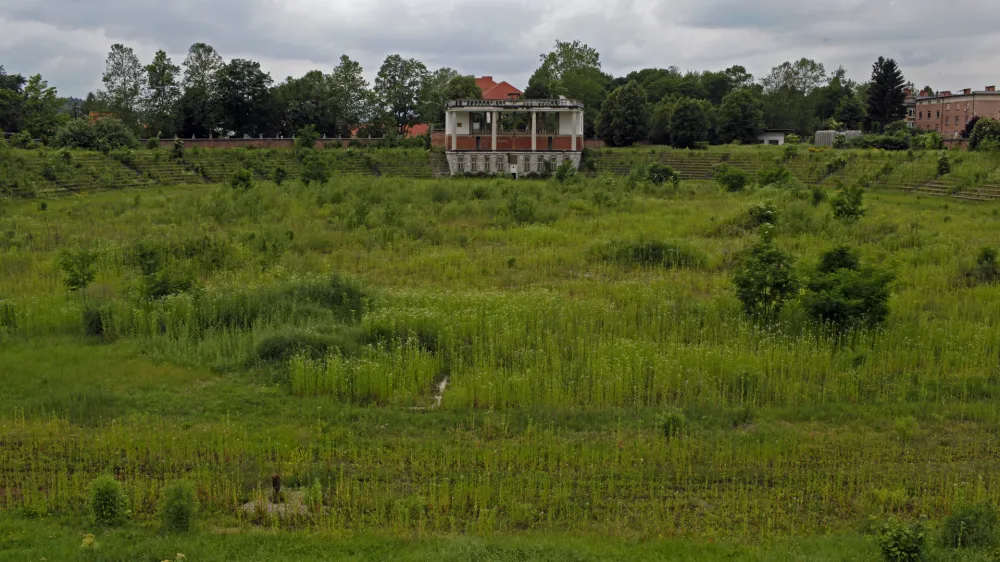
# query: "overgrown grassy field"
x,y
476,369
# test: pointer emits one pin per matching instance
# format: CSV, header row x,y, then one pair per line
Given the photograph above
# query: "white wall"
x,y
768,138
566,126
463,122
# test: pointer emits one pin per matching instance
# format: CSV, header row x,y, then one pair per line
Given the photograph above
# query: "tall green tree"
x,y
244,98
124,81
309,100
850,112
591,86
886,99
202,67
741,117
11,100
624,117
162,96
659,122
788,102
397,88
690,123
199,112
40,112
352,92
434,94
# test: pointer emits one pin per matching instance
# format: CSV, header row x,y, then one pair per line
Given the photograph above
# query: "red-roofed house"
x,y
493,91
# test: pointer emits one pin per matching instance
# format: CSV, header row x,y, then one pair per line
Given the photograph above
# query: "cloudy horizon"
x,y
67,41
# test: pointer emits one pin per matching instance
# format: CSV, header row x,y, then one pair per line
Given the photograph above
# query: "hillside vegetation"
x,y
450,363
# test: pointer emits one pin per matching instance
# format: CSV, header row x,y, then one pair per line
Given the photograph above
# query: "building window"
x,y
947,120
541,164
475,164
489,164
921,115
461,162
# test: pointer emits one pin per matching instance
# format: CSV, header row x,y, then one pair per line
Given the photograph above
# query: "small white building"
x,y
773,136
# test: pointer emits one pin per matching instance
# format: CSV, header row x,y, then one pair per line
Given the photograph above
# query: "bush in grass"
x,y
943,164
22,140
760,214
848,205
773,176
107,501
314,170
279,175
177,152
566,171
764,279
78,268
970,526
901,542
282,346
306,138
8,316
97,319
844,295
178,507
673,422
153,143
659,174
651,254
731,178
242,179
986,269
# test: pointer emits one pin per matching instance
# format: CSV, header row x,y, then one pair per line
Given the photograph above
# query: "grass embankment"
x,y
229,335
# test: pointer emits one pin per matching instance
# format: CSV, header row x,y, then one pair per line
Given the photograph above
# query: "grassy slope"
x,y
160,392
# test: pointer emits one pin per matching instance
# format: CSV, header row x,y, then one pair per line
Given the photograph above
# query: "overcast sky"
x,y
948,45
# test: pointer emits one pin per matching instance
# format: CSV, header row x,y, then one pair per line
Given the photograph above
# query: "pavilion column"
x,y
534,131
495,119
453,130
575,127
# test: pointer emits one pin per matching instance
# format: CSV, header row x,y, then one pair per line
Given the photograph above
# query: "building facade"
x,y
948,113
483,136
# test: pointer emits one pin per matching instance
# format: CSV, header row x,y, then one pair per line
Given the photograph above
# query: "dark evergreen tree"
x,y
886,98
741,117
689,123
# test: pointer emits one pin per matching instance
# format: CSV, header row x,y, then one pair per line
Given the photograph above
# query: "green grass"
x,y
321,320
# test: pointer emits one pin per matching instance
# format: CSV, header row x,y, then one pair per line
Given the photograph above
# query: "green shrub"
x,y
651,254
123,155
659,174
731,178
8,316
97,319
843,295
306,138
566,171
848,204
985,135
22,140
153,143
314,170
282,346
78,268
177,152
986,270
901,542
242,179
759,215
673,422
773,176
818,195
970,526
178,507
279,175
837,163
107,501
765,279
882,142
943,164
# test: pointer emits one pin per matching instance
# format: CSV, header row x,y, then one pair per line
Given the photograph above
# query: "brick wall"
x,y
259,143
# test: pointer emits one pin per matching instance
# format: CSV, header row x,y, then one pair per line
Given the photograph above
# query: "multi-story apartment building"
x,y
948,113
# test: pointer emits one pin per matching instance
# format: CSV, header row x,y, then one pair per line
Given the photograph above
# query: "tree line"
x,y
207,96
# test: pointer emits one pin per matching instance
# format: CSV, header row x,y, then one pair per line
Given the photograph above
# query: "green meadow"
x,y
490,369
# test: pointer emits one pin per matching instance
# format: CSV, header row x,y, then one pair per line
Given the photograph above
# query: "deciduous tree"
x,y
352,91
124,81
162,95
244,96
40,111
624,117
741,117
398,86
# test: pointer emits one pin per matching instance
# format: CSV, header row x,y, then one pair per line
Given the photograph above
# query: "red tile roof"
x,y
494,91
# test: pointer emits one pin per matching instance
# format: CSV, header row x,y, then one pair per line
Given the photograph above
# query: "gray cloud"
x,y
935,43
